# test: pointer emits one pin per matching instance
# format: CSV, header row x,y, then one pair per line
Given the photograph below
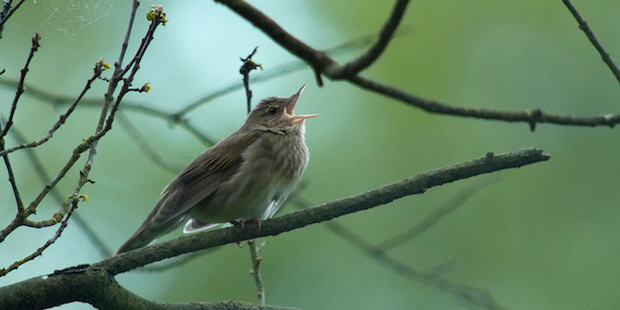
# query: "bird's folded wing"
x,y
206,173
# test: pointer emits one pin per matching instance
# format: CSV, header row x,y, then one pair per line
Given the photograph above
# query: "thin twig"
x,y
7,11
145,146
9,169
99,67
89,144
246,68
471,295
39,251
435,215
127,105
118,70
158,17
385,36
583,25
255,271
125,45
21,217
20,85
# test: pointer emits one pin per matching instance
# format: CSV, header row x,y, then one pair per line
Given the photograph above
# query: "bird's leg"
x,y
242,224
258,222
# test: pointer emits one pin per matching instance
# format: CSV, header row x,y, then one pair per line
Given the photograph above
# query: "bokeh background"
x,y
546,236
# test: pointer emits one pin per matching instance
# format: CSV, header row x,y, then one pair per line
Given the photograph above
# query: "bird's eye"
x,y
272,110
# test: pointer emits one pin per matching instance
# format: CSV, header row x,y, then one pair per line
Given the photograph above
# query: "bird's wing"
x,y
207,173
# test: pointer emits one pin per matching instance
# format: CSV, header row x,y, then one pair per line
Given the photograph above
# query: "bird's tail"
x,y
149,232
138,240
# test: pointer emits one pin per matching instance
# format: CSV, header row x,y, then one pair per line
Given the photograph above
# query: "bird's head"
x,y
277,114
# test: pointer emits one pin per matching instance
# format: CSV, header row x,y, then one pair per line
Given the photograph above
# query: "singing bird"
x,y
245,177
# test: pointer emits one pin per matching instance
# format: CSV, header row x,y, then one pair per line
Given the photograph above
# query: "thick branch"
x,y
94,284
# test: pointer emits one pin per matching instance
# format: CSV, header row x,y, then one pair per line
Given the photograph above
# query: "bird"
x,y
244,177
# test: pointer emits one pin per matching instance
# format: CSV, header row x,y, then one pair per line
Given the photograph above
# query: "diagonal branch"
x,y
385,36
474,297
434,216
583,25
324,65
415,185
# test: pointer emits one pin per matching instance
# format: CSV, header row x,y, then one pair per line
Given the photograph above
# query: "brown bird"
x,y
245,177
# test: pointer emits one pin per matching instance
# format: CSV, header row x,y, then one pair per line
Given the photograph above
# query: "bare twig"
x,y
125,45
255,271
471,295
435,215
21,218
20,85
583,25
39,251
157,17
9,169
145,146
385,36
7,11
246,68
99,67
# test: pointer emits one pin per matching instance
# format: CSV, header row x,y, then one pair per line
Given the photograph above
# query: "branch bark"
x,y
95,285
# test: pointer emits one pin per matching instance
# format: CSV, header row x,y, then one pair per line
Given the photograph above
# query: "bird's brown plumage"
x,y
246,176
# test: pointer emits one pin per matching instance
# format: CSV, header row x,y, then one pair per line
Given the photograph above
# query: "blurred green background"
x,y
546,236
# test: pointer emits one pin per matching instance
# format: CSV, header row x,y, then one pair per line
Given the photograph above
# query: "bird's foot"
x,y
242,224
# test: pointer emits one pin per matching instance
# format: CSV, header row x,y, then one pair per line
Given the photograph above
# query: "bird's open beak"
x,y
290,106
